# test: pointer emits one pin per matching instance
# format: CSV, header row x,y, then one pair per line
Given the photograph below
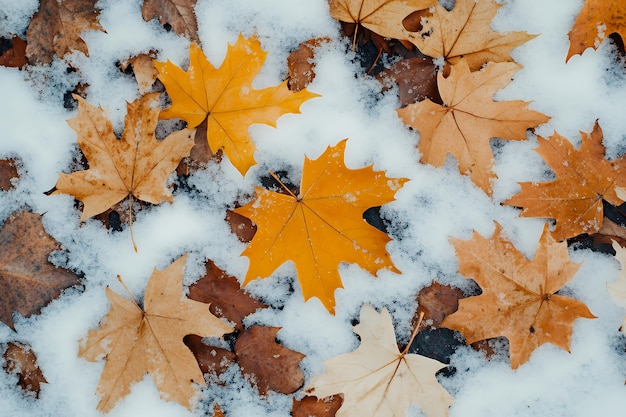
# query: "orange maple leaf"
x,y
583,179
465,33
518,299
469,119
226,99
596,20
322,226
136,341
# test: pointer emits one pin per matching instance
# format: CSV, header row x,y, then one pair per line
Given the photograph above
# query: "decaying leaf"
x,y
300,64
436,302
618,288
136,341
178,14
28,282
416,79
226,99
583,179
56,28
14,55
322,226
311,406
226,297
595,22
137,166
518,299
465,33
269,365
22,361
144,70
211,359
469,119
377,379
8,173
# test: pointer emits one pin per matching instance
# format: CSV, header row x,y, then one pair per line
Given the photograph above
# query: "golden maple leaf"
x,y
136,341
583,179
226,99
377,379
137,166
596,20
321,227
469,119
518,299
465,33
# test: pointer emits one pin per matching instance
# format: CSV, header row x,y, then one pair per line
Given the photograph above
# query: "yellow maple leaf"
x,y
226,99
137,341
322,226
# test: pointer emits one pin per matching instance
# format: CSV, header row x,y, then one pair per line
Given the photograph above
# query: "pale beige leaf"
x,y
618,288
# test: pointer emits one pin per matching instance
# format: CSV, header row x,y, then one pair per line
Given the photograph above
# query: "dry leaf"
x,y
469,119
28,282
135,341
226,297
518,299
416,79
21,360
377,380
583,179
226,99
465,33
144,70
618,288
322,226
217,411
137,166
178,14
8,173
269,365
595,22
56,28
436,302
383,17
15,54
241,226
300,64
211,359
609,232
310,406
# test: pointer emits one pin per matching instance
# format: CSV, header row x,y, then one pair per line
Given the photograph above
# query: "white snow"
x,y
435,205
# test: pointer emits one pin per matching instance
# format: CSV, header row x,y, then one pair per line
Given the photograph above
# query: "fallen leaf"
x,y
300,64
470,117
8,173
217,411
241,226
178,14
594,23
378,380
609,232
136,341
28,282
144,70
211,359
436,302
137,166
310,406
322,226
226,297
617,289
22,361
56,28
383,17
465,33
583,179
226,99
14,55
518,299
416,79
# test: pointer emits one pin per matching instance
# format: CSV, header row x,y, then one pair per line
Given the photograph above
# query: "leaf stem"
x,y
283,185
415,331
130,294
130,223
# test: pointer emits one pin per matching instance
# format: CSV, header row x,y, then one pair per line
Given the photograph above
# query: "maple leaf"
x,y
583,179
383,17
137,166
137,341
465,33
28,282
179,14
376,379
14,53
226,99
596,20
617,289
416,79
321,227
8,173
22,361
518,299
143,69
56,28
470,117
310,406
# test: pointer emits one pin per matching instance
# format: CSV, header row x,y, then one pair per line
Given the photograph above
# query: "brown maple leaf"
x,y
311,406
377,379
300,64
518,299
136,341
224,97
465,33
28,282
178,14
15,54
8,173
322,226
22,361
435,302
583,179
595,22
144,70
416,79
470,117
56,28
137,166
